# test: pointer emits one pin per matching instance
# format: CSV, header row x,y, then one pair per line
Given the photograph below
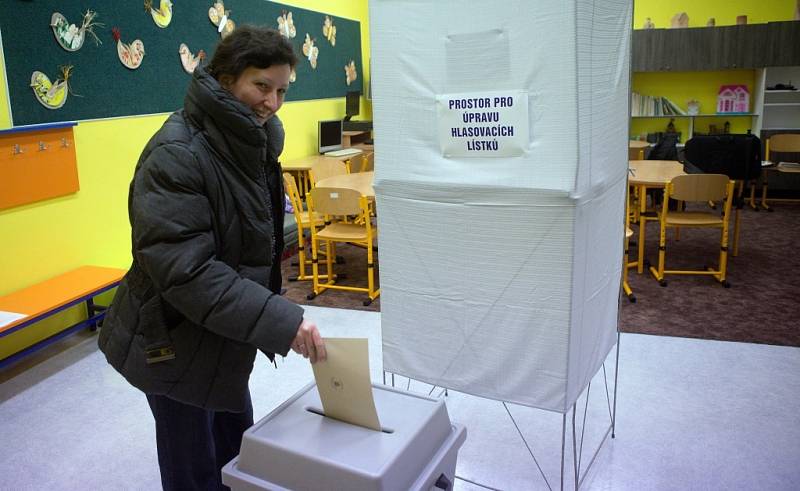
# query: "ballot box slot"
x,y
320,412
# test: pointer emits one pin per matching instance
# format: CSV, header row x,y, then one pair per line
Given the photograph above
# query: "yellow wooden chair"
x,y
305,221
626,264
332,202
696,188
324,168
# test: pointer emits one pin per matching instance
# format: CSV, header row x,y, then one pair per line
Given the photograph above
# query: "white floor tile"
x,y
691,414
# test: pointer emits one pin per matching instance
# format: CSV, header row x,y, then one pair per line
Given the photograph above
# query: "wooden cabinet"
x,y
716,48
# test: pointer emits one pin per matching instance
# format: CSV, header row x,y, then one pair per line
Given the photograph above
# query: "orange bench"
x,y
28,306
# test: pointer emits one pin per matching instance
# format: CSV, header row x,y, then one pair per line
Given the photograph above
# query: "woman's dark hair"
x,y
250,46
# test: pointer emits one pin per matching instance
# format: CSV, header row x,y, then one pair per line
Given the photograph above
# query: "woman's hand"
x,y
308,342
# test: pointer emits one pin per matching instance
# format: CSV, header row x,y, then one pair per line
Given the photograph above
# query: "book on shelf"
x,y
646,105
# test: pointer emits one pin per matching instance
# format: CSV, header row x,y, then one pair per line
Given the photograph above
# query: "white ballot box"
x,y
296,447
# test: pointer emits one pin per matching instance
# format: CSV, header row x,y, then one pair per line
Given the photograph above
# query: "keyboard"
x,y
343,152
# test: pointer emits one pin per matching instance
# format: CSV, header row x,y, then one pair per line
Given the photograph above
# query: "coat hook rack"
x,y
17,149
42,146
64,143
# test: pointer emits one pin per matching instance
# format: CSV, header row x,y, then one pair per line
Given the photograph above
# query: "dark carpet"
x,y
354,268
762,306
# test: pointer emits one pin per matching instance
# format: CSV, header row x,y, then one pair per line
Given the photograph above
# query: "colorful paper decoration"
x,y
286,25
221,18
51,95
350,72
131,55
329,30
310,51
71,37
161,16
188,60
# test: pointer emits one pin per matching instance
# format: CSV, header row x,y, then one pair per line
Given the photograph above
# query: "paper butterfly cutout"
x,y
329,30
221,18
71,37
131,55
310,51
161,16
350,72
188,60
51,95
286,25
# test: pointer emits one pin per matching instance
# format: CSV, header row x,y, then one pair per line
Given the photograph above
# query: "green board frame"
x,y
101,87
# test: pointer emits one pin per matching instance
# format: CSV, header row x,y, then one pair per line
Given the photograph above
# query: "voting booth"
x,y
297,447
500,175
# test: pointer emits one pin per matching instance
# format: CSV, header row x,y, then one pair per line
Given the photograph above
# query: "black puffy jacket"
x,y
206,213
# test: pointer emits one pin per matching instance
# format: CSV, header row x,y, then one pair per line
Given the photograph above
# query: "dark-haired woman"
x,y
202,294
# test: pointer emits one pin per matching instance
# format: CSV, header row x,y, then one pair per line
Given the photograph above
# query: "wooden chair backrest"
x,y
291,189
336,201
324,168
783,142
368,162
699,187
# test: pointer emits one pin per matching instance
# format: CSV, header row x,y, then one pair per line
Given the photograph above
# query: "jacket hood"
x,y
231,126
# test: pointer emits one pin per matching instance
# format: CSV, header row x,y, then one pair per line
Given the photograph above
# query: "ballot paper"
x,y
343,382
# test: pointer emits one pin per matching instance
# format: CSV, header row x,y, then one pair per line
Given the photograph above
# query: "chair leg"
x,y
662,244
626,287
329,246
723,256
315,268
301,257
662,252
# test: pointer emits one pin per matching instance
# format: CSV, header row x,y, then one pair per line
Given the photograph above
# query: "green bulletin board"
x,y
103,88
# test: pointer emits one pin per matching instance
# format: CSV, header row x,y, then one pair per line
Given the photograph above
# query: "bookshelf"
x,y
780,109
691,119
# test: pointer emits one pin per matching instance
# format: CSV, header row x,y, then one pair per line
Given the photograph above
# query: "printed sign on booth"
x,y
483,124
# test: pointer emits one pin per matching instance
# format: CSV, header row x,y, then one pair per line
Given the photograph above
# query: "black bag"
x,y
666,148
736,156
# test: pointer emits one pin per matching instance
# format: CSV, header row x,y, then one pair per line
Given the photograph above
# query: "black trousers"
x,y
194,444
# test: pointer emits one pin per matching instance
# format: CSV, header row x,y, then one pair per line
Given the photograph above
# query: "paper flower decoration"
x,y
221,18
350,72
329,30
310,51
286,25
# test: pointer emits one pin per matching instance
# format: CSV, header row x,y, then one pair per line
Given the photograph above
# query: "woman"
x,y
206,212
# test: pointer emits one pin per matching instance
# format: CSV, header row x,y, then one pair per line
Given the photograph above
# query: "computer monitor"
x,y
330,135
352,104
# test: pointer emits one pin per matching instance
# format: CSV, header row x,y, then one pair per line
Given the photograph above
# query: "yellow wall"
x,y
723,11
50,237
680,87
